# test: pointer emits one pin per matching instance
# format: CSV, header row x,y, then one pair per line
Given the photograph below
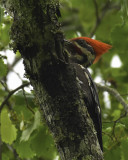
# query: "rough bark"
x,y
36,34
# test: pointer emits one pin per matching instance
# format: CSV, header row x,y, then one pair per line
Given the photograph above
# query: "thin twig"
x,y
18,75
7,90
11,93
108,6
27,102
96,10
17,59
98,17
107,135
4,85
123,95
116,121
119,98
14,151
116,94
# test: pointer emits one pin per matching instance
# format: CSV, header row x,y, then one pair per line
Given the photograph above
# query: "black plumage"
x,y
91,99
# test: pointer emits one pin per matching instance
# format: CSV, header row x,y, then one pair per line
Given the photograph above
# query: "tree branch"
x,y
116,94
119,98
10,67
27,102
96,10
11,93
99,17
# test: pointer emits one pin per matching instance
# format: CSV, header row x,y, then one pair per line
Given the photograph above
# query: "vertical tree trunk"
x,y
36,34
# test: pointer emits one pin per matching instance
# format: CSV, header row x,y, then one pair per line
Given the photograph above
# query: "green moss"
x,y
33,27
88,157
60,136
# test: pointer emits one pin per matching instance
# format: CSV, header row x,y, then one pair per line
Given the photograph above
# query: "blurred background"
x,y
23,136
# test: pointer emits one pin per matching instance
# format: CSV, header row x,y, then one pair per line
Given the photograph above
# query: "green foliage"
x,y
3,69
113,153
43,144
22,130
5,157
119,38
5,23
124,148
27,132
23,149
8,130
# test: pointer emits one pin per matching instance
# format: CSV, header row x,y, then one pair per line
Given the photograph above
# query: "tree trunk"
x,y
36,34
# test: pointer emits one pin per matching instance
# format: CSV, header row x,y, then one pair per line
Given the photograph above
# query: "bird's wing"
x,y
90,98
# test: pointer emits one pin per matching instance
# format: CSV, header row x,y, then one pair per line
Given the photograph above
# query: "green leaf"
x,y
116,114
120,131
5,157
113,154
124,146
43,144
22,111
106,141
125,121
5,23
3,68
7,153
27,132
23,149
103,32
8,130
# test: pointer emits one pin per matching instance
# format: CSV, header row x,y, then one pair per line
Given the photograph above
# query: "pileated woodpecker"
x,y
85,51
